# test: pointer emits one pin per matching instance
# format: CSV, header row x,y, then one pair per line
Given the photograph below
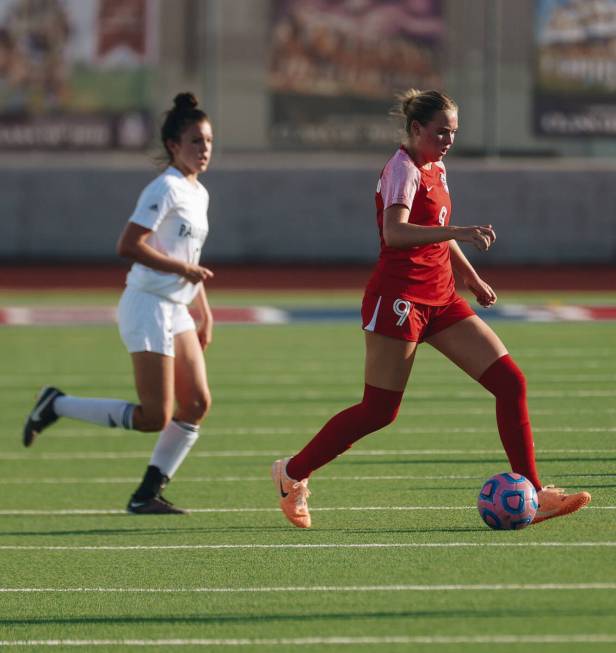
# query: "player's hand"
x,y
483,292
196,273
204,332
481,236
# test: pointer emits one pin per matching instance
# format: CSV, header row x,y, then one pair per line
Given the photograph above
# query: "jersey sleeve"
x,y
399,183
152,206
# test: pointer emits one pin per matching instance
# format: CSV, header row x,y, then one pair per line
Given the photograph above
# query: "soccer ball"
x,y
507,501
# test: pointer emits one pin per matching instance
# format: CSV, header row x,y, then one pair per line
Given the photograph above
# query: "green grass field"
x,y
397,559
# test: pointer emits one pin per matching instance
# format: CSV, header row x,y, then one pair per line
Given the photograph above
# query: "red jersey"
x,y
422,274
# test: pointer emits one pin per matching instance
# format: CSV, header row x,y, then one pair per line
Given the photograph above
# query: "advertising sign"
x,y
336,65
75,74
575,86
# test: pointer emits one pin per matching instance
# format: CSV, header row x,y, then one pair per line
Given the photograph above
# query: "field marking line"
x,y
263,479
112,511
416,410
591,638
117,511
481,587
364,545
424,395
229,479
239,453
273,377
274,431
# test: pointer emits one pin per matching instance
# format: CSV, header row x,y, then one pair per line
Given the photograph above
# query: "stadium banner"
x,y
76,74
336,65
575,79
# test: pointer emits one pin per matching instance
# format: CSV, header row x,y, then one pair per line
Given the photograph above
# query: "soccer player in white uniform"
x,y
163,237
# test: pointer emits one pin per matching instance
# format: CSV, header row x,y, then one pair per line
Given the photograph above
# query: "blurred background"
x,y
299,93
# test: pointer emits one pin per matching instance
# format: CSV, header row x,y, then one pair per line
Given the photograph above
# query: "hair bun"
x,y
184,101
408,98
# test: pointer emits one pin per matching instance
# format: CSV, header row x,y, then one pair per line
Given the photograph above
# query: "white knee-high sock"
x,y
106,412
174,443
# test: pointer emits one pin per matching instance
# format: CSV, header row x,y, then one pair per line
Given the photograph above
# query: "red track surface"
x,y
303,277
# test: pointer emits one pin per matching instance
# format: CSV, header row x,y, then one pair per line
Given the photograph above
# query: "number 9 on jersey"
x,y
402,308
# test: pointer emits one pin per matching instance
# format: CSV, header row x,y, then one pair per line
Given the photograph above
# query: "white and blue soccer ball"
x,y
507,501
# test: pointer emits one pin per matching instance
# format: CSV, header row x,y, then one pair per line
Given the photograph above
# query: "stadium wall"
x,y
543,213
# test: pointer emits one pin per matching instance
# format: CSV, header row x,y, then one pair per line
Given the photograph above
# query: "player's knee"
x,y
380,407
520,384
196,410
378,416
203,405
513,380
152,419
388,416
504,379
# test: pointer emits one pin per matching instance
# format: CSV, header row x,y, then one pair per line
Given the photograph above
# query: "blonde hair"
x,y
421,106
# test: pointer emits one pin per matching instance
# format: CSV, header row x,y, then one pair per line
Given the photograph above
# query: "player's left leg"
x,y
193,401
474,347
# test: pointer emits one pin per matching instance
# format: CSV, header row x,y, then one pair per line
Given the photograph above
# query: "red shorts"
x,y
406,320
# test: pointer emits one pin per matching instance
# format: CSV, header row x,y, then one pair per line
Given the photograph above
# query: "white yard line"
x,y
476,393
413,410
103,480
393,640
482,587
364,545
437,395
96,511
116,511
239,453
78,433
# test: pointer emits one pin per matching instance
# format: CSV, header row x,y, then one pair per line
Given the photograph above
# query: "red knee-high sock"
x,y
506,382
377,409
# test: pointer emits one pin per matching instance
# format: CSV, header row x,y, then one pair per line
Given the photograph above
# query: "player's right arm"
x,y
399,233
133,245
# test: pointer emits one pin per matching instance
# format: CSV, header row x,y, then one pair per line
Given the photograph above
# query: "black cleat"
x,y
42,415
154,506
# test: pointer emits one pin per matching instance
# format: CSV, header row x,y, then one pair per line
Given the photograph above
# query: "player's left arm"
x,y
205,320
483,292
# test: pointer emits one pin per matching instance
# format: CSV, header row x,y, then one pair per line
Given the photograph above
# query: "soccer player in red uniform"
x,y
411,298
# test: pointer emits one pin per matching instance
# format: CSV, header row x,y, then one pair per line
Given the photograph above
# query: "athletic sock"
x,y
506,382
377,409
106,412
151,485
174,443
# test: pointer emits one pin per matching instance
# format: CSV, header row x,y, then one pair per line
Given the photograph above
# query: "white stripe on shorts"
x,y
372,324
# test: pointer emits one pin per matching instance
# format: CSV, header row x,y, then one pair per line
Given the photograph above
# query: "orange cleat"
x,y
293,495
553,502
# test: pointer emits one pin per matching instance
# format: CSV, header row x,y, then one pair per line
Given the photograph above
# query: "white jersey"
x,y
176,212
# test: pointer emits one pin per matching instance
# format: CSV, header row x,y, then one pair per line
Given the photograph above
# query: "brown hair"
x,y
183,114
421,106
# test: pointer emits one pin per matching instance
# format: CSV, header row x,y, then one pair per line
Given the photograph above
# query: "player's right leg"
x,y
42,415
177,438
52,403
388,365
154,382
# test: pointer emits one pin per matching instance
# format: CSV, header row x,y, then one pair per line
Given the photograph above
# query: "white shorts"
x,y
148,322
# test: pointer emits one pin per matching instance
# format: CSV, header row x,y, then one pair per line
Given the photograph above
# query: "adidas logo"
x,y
154,207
